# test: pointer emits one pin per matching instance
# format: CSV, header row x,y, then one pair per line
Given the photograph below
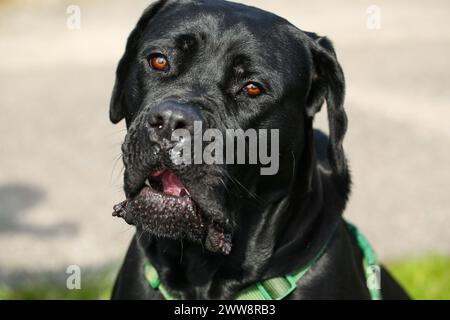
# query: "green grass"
x,y
93,288
423,278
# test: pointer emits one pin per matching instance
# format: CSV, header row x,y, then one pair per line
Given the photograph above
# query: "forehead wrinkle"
x,y
219,50
239,41
225,38
224,30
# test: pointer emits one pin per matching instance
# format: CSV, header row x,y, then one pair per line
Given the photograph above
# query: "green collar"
x,y
279,288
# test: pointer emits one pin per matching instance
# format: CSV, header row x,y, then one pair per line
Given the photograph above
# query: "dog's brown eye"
x,y
252,89
159,62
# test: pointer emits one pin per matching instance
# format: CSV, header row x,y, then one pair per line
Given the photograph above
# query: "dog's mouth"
x,y
165,208
166,183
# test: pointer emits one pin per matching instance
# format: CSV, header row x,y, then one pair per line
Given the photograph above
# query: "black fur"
x,y
278,223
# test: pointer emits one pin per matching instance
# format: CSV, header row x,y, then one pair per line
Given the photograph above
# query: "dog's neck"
x,y
279,238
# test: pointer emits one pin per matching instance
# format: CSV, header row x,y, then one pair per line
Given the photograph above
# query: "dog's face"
x,y
226,66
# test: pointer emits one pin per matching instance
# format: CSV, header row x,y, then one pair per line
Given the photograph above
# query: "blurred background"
x,y
60,171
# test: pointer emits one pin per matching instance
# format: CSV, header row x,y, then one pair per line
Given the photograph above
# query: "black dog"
x,y
211,231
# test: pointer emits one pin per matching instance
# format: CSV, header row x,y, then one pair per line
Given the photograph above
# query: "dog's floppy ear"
x,y
116,106
328,85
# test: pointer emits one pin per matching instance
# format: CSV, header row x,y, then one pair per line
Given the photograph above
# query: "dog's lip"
x,y
162,182
168,182
149,179
223,224
156,199
149,189
148,186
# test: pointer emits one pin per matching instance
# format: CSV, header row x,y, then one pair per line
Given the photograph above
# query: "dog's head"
x,y
225,66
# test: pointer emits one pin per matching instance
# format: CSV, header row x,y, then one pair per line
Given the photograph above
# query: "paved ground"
x,y
59,175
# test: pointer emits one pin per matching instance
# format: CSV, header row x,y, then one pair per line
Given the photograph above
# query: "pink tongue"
x,y
170,182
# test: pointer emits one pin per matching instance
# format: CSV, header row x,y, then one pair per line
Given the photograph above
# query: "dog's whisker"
x,y
140,235
227,188
221,179
116,160
293,164
182,249
239,184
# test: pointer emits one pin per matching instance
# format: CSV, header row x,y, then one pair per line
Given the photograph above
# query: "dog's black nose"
x,y
170,115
